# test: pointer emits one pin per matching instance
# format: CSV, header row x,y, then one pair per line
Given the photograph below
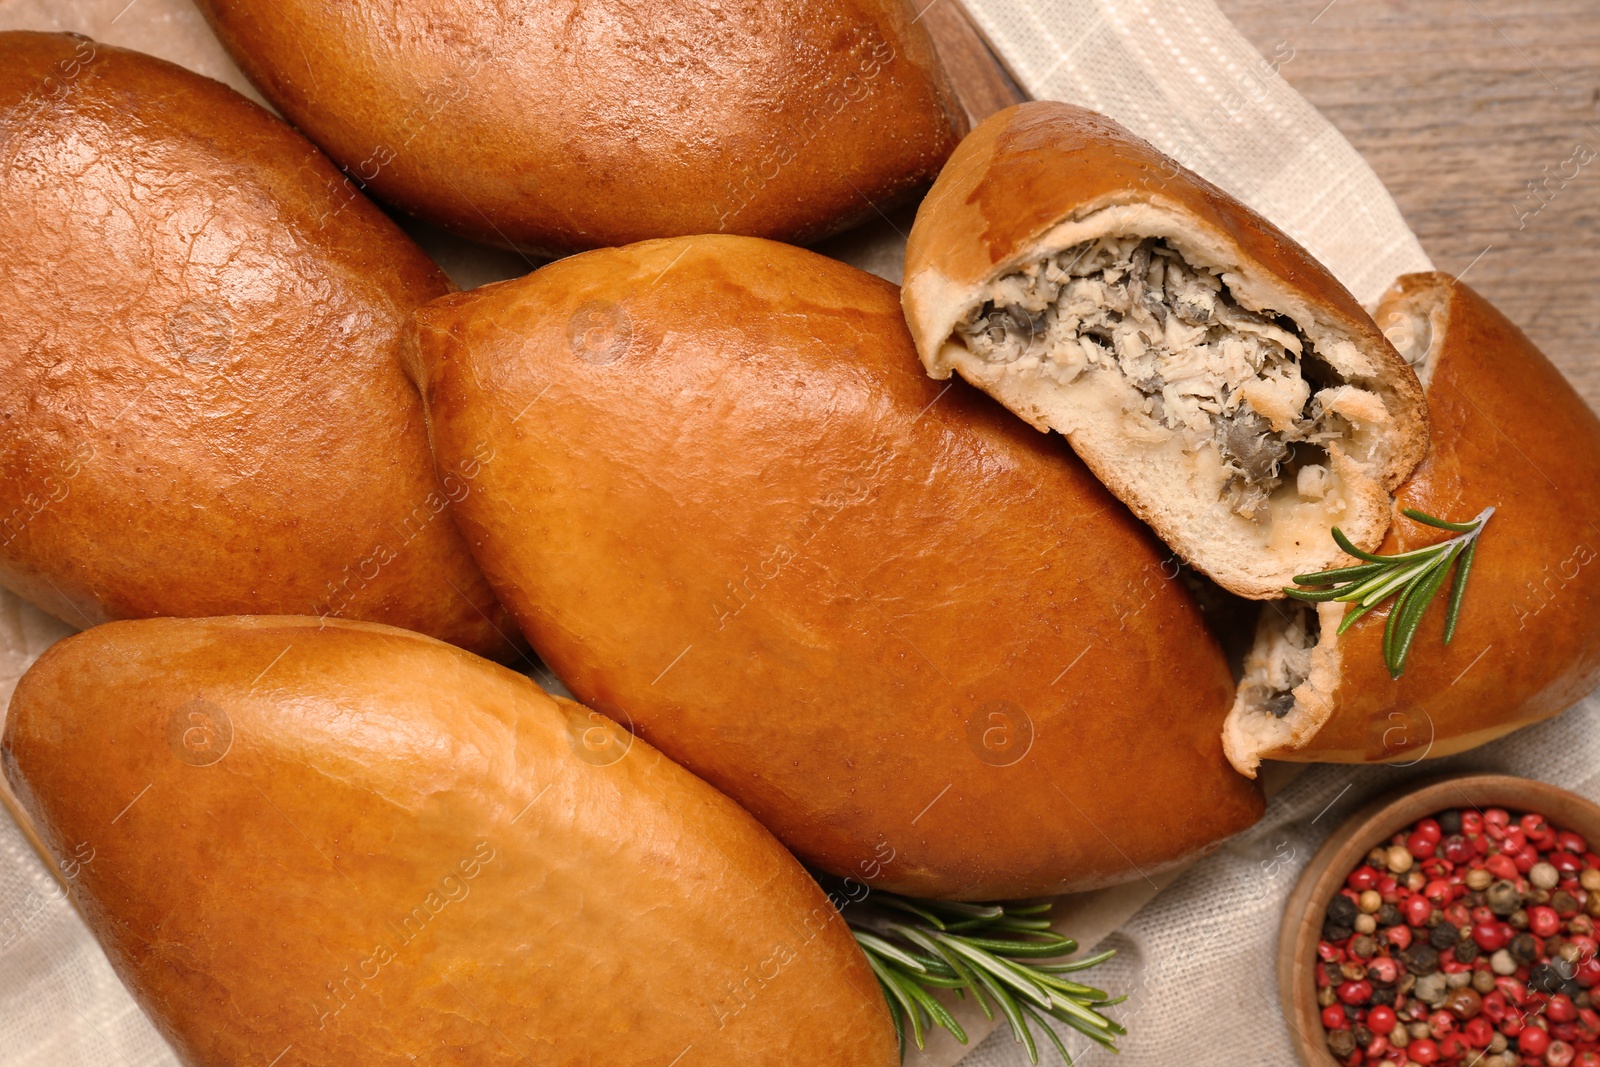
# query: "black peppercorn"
x,y
1502,898
1450,823
1335,933
1383,994
1524,949
1420,960
1389,915
1466,950
1444,936
1362,1035
1342,911
1341,1043
1551,977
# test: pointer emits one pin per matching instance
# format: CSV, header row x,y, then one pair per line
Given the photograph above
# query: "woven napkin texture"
x,y
1198,961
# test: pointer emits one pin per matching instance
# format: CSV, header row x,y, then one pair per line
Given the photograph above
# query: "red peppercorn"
x,y
1420,846
1560,1009
1438,892
1564,1031
1543,920
1486,934
1524,860
1497,817
1511,1025
1400,936
1500,866
1384,970
1560,1054
1588,1023
1471,822
1329,952
1428,829
1588,974
1533,1042
1423,1051
1494,1006
1354,992
1381,1019
1532,824
1362,879
1571,842
1515,992
1459,850
1478,1032
1441,1023
1333,1017
1417,911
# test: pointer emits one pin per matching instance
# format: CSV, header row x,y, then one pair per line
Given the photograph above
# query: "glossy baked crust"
x,y
1509,432
1010,190
558,127
349,844
913,637
201,407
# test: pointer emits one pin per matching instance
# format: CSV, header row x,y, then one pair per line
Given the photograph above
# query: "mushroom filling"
x,y
1281,661
1196,364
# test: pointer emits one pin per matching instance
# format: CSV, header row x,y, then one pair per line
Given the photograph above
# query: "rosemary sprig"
x,y
1413,578
994,952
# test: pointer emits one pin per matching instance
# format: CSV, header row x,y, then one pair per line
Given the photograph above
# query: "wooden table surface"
x,y
1481,116
1459,105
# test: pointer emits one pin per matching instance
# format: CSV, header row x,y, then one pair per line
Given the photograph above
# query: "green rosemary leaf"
x,y
1351,550
972,982
1417,600
987,950
897,999
896,1014
1380,588
1000,970
1350,618
938,1015
964,909
1314,596
1429,520
1022,925
883,948
1412,578
901,904
1458,590
1019,949
1076,965
1342,574
1013,1014
1055,1038
1026,910
1071,1010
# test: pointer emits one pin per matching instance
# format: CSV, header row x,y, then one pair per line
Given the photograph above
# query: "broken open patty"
x,y
1216,377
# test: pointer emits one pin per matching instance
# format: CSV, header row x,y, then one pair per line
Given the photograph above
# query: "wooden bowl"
x,y
1349,844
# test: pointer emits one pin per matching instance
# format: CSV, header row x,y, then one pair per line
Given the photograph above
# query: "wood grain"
x,y
981,83
1459,105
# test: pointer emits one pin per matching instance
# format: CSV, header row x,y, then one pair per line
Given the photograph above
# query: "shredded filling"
x,y
1196,363
1283,654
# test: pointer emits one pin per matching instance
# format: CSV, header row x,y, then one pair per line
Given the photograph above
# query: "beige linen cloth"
x,y
1198,959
